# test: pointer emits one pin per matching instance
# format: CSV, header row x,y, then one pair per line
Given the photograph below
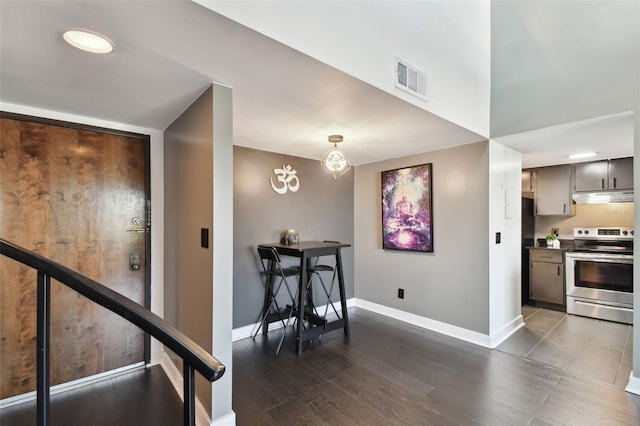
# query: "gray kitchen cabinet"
x,y
546,276
553,191
592,176
528,180
604,175
621,173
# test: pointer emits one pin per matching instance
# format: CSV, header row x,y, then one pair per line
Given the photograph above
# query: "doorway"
x,y
80,196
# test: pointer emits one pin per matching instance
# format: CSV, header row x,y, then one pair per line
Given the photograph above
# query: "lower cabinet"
x,y
546,276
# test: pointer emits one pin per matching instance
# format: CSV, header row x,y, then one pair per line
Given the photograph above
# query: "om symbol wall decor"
x,y
287,177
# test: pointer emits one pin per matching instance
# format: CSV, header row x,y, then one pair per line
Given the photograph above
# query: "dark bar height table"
x,y
306,250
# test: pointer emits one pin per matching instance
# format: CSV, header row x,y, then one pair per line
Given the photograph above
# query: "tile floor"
x,y
583,346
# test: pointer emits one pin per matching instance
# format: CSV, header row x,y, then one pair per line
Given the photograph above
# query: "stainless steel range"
x,y
599,274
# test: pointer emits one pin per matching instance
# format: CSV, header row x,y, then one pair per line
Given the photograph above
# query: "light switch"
x,y
204,237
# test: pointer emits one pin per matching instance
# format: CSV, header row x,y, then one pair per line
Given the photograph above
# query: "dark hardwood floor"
x,y
141,398
392,373
386,373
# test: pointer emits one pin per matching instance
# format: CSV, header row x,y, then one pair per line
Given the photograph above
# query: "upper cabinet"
x,y
604,175
592,176
528,180
621,173
553,191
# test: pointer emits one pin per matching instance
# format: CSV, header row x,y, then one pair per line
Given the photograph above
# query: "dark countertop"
x,y
565,248
565,245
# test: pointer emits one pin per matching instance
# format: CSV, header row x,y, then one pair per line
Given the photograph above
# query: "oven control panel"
x,y
604,233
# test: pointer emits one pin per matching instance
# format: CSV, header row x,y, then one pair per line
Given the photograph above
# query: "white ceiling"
x,y
565,77
167,52
557,62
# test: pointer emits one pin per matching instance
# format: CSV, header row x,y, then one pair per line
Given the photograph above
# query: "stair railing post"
x,y
189,394
42,336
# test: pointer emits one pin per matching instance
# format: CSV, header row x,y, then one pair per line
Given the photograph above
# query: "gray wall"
x,y
198,294
452,283
322,209
188,158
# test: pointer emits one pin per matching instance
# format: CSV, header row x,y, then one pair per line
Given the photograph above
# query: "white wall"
x,y
157,196
505,207
448,289
362,38
634,379
221,407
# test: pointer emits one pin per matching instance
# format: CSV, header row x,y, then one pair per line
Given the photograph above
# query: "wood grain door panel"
x,y
78,197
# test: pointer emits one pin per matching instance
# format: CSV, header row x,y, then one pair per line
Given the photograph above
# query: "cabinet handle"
x,y
558,270
602,183
564,208
615,185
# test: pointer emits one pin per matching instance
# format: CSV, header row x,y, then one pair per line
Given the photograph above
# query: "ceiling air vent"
x,y
409,79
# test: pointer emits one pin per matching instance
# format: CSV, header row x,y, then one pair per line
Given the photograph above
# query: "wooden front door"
x,y
78,197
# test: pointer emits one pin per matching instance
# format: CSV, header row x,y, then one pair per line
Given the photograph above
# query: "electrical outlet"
x,y
401,293
555,231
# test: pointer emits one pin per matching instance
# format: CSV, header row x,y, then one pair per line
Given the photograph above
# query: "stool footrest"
x,y
314,319
280,315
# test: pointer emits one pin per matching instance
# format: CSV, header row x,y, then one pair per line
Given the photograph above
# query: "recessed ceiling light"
x,y
89,41
582,155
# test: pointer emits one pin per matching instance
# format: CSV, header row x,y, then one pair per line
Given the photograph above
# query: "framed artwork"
x,y
407,209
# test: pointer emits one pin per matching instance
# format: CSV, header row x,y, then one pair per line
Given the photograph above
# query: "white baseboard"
x,y
248,330
174,375
439,327
634,384
427,323
505,332
228,420
202,417
64,387
487,341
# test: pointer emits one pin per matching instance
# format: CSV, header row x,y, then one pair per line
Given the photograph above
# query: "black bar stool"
x,y
272,311
315,269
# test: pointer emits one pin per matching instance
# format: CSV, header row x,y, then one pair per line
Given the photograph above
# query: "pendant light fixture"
x,y
334,161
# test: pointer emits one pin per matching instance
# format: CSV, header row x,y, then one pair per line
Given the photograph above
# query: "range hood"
x,y
603,197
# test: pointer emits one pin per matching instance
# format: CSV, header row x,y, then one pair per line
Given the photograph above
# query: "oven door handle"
x,y
603,259
601,305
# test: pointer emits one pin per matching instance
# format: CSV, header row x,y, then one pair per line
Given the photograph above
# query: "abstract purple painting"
x,y
407,210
